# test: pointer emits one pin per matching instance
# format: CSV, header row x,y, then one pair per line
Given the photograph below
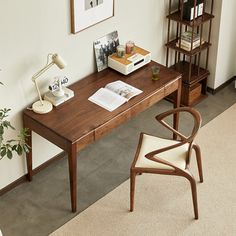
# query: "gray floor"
x,y
43,205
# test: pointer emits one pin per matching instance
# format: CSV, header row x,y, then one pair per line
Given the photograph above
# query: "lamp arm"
x,y
37,88
36,75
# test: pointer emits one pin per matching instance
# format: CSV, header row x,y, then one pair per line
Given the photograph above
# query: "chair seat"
x,y
176,156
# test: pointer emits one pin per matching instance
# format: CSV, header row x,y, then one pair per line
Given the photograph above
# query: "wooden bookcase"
x,y
193,63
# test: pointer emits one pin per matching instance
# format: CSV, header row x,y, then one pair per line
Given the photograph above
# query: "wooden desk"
x,y
79,122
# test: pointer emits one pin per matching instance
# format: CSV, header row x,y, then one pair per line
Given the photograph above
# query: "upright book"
x,y
114,95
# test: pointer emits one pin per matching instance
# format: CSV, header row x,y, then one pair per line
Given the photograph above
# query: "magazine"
x,y
114,95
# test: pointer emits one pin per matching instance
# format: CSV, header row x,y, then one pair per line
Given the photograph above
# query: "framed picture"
x,y
103,47
85,13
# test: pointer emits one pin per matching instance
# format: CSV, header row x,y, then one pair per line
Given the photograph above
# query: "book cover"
x,y
188,44
189,36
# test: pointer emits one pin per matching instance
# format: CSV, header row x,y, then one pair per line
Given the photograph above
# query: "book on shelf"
x,y
188,44
189,36
200,7
187,47
188,9
114,95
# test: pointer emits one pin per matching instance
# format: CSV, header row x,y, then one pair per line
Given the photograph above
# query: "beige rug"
x,y
163,204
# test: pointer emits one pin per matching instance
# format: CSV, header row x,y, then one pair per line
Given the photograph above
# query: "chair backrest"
x,y
196,124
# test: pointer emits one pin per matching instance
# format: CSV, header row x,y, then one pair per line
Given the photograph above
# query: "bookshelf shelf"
x,y
197,73
172,45
176,16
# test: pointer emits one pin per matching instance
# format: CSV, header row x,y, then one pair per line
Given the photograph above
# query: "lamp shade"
x,y
58,60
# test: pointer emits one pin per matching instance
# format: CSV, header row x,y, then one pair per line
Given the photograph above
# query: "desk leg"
x,y
177,99
29,156
72,160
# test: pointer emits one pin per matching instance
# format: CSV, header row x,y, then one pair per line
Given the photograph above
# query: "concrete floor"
x,y
39,207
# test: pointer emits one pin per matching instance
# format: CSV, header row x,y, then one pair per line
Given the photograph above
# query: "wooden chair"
x,y
168,156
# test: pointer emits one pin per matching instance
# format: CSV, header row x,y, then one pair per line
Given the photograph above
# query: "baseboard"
x,y
214,91
35,171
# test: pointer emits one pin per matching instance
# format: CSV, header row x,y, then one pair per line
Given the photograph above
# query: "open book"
x,y
114,95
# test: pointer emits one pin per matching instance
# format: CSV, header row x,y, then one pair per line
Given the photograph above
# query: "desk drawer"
x,y
84,141
148,102
171,87
111,124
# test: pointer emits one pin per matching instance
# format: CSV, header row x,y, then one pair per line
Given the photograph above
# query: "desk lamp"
x,y
43,106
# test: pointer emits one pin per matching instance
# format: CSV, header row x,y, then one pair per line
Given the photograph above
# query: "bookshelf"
x,y
188,47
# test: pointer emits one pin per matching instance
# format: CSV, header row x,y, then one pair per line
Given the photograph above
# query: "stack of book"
x,y
187,40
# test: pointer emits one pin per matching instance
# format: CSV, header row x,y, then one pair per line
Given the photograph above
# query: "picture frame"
x,y
86,13
103,47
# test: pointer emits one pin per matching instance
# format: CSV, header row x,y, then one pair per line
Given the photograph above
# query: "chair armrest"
x,y
161,161
151,155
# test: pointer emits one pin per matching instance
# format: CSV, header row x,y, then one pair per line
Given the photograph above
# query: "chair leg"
x,y
194,196
199,161
132,189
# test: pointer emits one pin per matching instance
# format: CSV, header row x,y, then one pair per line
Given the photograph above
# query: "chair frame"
x,y
176,171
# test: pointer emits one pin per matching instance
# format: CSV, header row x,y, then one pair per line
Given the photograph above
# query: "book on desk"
x,y
114,95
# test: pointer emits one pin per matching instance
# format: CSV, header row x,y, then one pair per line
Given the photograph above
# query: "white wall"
x,y
225,67
31,29
213,52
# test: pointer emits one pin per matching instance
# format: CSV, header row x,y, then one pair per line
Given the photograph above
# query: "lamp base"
x,y
40,108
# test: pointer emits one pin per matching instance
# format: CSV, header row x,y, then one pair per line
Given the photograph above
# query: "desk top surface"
x,y
78,116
